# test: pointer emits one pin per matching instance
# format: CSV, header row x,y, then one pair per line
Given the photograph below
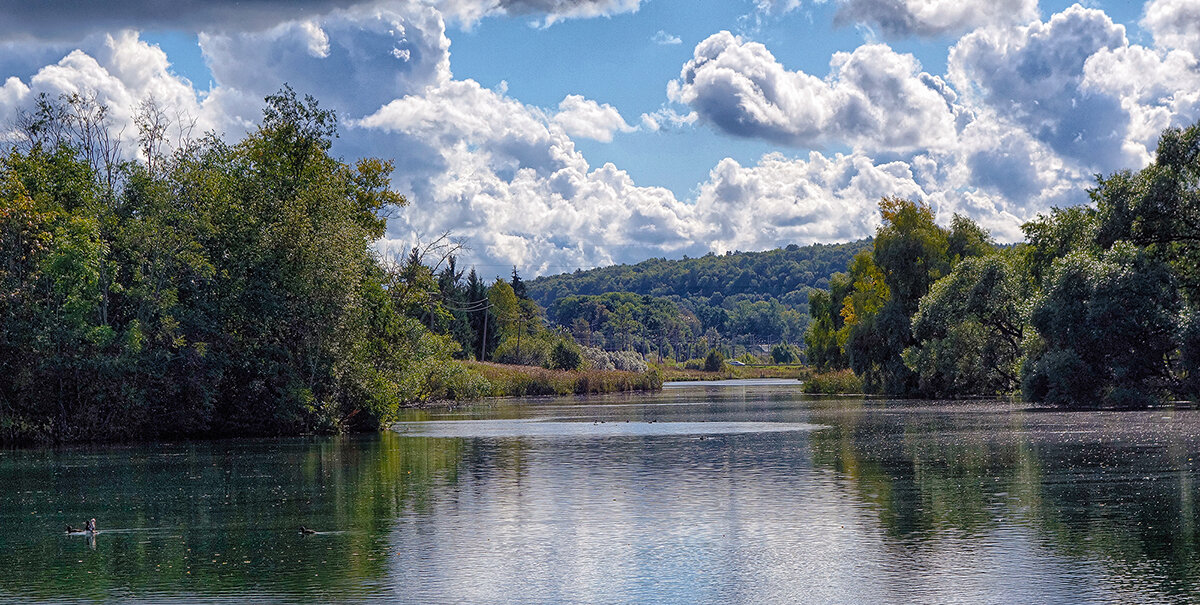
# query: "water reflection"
x,y
742,494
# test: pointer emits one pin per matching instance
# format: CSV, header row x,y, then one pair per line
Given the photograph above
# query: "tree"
x,y
714,361
1158,208
565,355
1109,325
970,329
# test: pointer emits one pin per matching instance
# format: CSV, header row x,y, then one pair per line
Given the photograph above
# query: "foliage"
x,y
1109,325
517,381
714,361
565,355
785,354
774,274
216,289
970,328
1158,208
837,382
680,308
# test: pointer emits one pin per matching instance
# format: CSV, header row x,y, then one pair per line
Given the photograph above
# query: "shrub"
x,y
526,351
565,355
628,361
833,383
714,362
785,353
596,359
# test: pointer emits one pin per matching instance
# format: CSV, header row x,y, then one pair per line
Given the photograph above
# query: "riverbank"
x,y
517,381
677,374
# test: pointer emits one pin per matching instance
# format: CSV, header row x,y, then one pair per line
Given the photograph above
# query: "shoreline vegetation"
x,y
505,380
1099,307
674,373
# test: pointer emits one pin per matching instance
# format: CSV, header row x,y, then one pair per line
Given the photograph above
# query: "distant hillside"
x,y
773,274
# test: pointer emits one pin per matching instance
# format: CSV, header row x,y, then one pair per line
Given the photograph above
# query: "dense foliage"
x,y
215,289
1097,308
679,309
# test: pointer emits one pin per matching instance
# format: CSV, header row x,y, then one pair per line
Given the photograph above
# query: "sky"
x,y
553,135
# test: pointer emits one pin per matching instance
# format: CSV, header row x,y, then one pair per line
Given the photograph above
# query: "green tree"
x,y
970,329
714,361
1109,325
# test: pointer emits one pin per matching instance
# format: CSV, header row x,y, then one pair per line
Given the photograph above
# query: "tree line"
x,y
207,288
682,308
1097,307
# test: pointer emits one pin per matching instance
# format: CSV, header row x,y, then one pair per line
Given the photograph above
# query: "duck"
x,y
91,525
74,530
306,531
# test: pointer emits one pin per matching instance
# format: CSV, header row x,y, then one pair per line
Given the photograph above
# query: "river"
x,y
743,492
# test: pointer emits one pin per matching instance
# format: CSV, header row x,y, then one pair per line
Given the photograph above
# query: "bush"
x,y
1190,356
565,355
596,359
749,359
833,383
532,351
628,361
714,362
785,353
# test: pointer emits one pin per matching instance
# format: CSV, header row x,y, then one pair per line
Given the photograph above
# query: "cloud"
x,y
124,71
511,180
926,18
899,18
581,117
665,39
873,97
995,140
1077,85
1174,24
353,60
667,118
776,7
550,11
69,20
1033,75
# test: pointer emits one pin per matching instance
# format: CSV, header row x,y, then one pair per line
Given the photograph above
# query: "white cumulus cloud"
x,y
581,117
873,97
1174,24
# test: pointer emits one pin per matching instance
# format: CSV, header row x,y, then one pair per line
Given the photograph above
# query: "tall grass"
x,y
678,373
833,383
518,381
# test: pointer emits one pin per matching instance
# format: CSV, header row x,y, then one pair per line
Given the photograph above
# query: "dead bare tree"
x,y
152,123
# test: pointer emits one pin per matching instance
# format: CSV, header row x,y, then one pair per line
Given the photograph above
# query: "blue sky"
x,y
576,133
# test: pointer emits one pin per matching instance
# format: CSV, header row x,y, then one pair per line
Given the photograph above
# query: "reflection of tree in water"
x,y
1117,489
216,517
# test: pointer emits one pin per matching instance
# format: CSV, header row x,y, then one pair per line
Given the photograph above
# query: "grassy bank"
x,y
516,381
833,383
672,373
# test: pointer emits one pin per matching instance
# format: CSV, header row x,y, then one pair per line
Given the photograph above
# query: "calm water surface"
x,y
738,493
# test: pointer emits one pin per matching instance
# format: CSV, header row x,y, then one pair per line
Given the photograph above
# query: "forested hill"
x,y
756,275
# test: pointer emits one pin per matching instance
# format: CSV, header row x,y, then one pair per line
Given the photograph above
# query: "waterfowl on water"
x,y
74,530
91,525
306,531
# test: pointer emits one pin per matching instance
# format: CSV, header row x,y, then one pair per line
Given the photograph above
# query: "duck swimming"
x,y
74,530
306,531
